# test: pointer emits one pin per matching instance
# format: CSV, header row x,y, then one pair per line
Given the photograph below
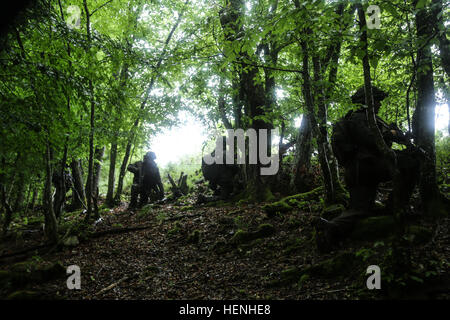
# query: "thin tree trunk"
x,y
112,175
78,193
90,177
51,225
19,192
4,201
302,156
307,93
99,153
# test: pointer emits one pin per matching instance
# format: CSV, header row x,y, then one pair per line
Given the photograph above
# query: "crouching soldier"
x,y
151,180
365,167
136,169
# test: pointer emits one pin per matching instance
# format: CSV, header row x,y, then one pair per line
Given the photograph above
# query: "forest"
x,y
335,185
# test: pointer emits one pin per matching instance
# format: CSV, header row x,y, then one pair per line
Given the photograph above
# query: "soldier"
x,y
220,176
136,169
365,167
151,179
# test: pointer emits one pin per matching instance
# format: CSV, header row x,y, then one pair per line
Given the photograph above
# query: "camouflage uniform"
x,y
365,167
136,169
221,177
151,180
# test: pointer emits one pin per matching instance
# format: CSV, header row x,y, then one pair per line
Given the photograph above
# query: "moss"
x,y
277,207
25,266
145,210
342,196
374,228
186,208
332,211
302,280
24,273
241,236
300,201
71,241
24,295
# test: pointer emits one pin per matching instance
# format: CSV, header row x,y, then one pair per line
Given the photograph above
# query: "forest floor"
x,y
184,251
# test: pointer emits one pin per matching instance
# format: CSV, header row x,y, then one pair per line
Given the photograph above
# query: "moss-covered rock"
x,y
71,241
332,211
373,228
300,201
24,273
277,207
241,236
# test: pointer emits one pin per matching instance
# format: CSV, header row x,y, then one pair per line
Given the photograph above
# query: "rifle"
x,y
404,138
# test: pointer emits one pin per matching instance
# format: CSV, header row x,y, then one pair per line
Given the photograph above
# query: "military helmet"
x,y
150,155
360,96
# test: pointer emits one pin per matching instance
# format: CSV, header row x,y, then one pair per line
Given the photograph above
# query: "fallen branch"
x,y
119,230
113,285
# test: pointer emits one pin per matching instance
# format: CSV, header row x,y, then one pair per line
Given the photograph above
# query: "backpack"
x,y
342,141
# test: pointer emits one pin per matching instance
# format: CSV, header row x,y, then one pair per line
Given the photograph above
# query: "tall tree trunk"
x,y
444,47
424,115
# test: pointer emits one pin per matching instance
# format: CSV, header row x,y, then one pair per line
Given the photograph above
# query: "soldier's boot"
x,y
143,198
409,167
134,197
330,233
